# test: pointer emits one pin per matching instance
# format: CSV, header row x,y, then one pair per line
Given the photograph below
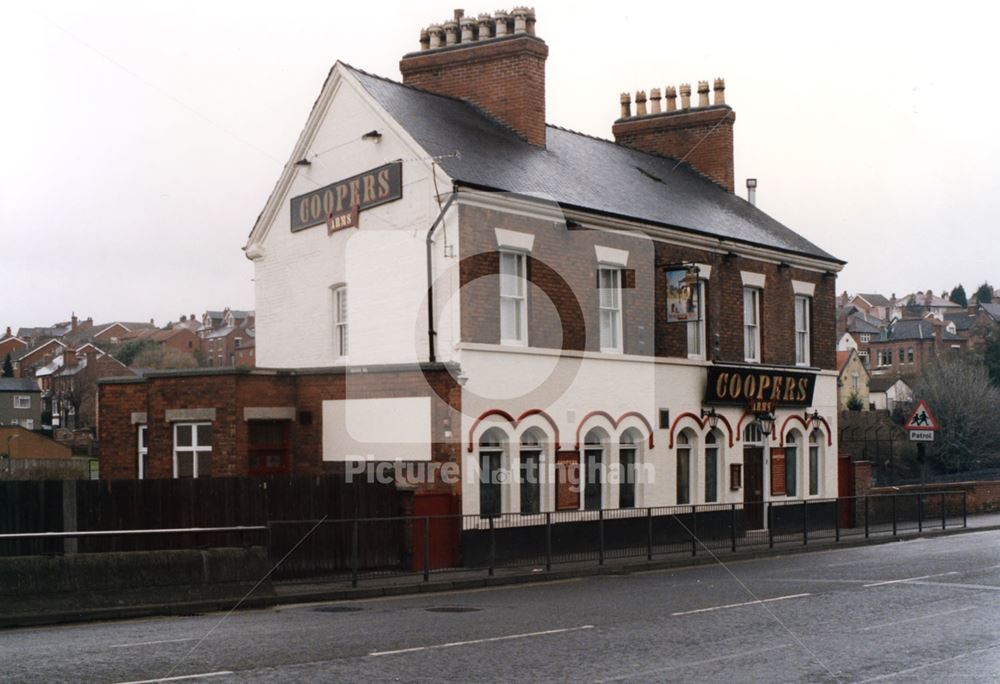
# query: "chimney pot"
x,y
671,99
468,25
436,33
702,93
626,101
425,40
502,18
640,103
654,101
485,26
450,32
520,19
685,96
531,21
720,91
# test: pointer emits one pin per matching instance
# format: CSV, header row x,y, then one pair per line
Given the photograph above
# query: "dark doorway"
x,y
268,446
753,487
845,491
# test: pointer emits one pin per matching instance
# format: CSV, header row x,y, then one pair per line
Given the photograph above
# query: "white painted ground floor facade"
x,y
639,418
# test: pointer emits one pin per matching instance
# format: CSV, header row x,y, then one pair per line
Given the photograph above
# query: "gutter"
x,y
431,333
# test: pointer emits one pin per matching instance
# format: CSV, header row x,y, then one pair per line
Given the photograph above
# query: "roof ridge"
x,y
453,98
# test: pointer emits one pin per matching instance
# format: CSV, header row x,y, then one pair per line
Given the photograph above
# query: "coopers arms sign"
x,y
759,389
338,204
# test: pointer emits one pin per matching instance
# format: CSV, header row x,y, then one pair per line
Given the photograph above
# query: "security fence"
x,y
359,549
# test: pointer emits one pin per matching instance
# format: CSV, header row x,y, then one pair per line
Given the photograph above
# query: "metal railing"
x,y
412,547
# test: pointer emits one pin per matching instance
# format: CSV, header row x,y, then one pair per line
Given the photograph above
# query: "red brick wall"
x,y
563,264
506,77
703,137
230,393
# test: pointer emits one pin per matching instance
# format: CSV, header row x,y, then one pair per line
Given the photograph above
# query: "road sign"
x,y
921,435
922,419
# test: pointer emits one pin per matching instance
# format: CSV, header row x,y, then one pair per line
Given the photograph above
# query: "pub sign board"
x,y
333,203
759,389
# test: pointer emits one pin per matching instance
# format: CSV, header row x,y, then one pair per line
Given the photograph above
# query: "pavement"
x,y
925,609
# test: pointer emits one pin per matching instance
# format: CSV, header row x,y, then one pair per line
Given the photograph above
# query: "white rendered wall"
x,y
503,379
382,262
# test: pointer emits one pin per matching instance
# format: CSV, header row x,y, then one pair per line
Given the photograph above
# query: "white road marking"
x,y
180,678
959,585
694,663
909,579
150,643
921,617
487,640
931,664
740,605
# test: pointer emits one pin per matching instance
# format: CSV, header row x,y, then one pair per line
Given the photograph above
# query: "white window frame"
x,y
518,296
341,314
751,329
22,402
803,334
194,449
612,309
142,437
696,329
815,447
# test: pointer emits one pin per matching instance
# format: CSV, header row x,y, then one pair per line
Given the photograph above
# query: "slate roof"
x,y
993,310
874,299
859,323
880,383
18,385
962,321
908,329
577,170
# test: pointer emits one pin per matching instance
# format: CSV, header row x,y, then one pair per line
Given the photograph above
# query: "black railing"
x,y
420,547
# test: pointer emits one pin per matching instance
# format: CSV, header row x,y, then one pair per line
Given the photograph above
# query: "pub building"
x,y
441,277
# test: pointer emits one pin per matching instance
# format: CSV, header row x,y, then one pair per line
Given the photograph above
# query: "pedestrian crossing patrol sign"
x,y
922,419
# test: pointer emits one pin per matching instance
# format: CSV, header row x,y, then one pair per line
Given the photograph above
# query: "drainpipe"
x,y
431,333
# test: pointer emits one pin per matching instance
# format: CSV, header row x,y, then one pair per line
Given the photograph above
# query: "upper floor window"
x,y
909,355
513,301
865,337
340,320
751,324
609,282
900,355
22,402
696,329
802,306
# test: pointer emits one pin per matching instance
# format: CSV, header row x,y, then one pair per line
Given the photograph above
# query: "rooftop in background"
x,y
19,385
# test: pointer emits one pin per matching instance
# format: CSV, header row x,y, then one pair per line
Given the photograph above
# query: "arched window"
x,y
713,462
791,464
752,435
815,461
531,471
686,443
491,449
594,457
628,458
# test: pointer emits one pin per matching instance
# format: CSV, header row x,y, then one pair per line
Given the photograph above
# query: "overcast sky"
x,y
139,141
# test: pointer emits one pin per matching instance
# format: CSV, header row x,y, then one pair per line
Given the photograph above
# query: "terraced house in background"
x,y
444,278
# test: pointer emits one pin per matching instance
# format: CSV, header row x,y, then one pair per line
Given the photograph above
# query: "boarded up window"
x,y
567,480
777,472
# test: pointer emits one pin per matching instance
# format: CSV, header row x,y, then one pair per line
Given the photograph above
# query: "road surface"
x,y
920,610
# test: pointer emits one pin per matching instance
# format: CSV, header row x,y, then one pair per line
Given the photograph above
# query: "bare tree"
x,y
962,398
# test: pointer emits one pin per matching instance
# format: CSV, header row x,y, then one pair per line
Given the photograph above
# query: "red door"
x,y
442,527
845,491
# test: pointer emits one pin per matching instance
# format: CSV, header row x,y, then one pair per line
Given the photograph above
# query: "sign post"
x,y
921,427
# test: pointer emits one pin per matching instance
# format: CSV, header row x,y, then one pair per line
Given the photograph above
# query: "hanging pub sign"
x,y
338,204
760,390
683,303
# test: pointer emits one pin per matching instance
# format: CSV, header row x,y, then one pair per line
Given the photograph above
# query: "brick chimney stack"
x,y
701,135
496,62
69,357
